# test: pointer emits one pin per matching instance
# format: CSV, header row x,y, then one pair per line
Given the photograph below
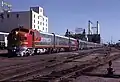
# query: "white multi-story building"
x,y
33,19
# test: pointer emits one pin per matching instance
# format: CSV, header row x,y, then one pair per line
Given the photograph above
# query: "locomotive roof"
x,y
62,36
56,35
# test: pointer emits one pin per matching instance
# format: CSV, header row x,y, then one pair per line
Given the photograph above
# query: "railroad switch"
x,y
53,72
110,69
51,60
54,57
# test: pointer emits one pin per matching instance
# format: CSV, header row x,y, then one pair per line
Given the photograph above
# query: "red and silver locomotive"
x,y
23,41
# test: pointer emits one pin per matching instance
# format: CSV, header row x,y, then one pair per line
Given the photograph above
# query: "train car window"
x,y
35,34
42,35
38,34
31,32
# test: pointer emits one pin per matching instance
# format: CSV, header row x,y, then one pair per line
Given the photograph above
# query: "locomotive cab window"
x,y
23,38
31,32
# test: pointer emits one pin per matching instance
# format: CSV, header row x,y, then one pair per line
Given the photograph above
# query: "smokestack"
x,y
97,27
89,27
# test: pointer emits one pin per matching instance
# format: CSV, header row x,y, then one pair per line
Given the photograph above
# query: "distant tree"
x,y
76,36
67,33
84,32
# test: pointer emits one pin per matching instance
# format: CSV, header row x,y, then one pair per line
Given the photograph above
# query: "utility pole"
x,y
111,39
97,27
89,27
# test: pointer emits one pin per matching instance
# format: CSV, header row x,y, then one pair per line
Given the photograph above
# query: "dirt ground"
x,y
102,70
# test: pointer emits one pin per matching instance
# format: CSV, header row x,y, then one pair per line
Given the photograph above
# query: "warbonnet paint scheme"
x,y
22,42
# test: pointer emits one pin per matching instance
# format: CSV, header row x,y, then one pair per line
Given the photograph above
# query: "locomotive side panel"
x,y
73,43
61,42
46,41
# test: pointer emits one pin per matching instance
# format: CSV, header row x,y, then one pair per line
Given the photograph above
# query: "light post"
x,y
54,39
69,40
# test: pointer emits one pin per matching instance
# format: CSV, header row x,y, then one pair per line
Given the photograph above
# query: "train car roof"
x,y
72,38
82,41
46,33
56,35
62,36
65,37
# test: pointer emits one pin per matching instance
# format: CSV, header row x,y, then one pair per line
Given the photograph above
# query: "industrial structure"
x,y
93,32
4,8
24,42
33,19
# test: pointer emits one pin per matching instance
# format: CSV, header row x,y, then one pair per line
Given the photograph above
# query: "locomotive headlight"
x,y
16,33
25,35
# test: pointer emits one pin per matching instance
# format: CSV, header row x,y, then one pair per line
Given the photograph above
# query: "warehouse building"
x,y
33,19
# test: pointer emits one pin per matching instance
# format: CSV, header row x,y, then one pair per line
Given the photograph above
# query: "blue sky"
x,y
69,14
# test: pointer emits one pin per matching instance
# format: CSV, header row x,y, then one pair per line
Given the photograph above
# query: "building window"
x,y
38,22
2,15
38,27
43,19
34,21
17,15
46,20
46,24
8,15
34,26
43,28
34,16
46,29
43,24
40,10
38,17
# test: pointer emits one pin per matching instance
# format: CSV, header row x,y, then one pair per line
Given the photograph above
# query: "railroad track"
x,y
74,72
27,61
23,72
96,63
38,67
12,75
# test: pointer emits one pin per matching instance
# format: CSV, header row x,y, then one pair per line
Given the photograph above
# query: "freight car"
x,y
23,42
